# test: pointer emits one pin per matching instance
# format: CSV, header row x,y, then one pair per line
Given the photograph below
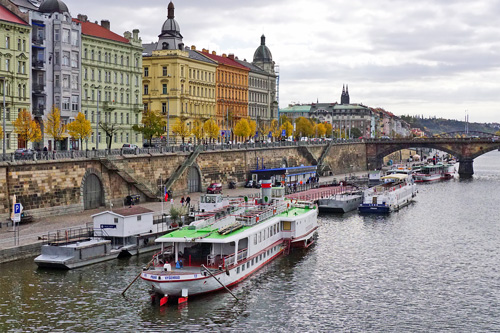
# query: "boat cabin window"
x,y
237,270
248,264
255,239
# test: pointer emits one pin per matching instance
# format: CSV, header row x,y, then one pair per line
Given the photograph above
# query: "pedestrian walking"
x,y
188,201
182,201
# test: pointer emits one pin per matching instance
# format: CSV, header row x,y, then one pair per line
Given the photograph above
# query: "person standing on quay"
x,y
182,201
188,201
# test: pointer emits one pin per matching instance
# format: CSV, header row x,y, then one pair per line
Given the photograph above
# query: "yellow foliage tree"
x,y
80,129
53,125
27,128
242,128
253,127
198,130
288,127
274,128
320,130
304,127
211,129
181,129
329,129
1,134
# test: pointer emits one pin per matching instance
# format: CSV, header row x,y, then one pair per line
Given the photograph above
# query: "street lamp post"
x,y
3,119
168,121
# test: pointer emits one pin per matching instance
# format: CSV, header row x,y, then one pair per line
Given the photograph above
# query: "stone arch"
x,y
193,179
284,163
93,193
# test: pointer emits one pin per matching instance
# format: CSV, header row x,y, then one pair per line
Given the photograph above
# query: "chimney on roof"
x,y
231,56
106,24
214,53
224,55
135,34
193,47
82,18
96,22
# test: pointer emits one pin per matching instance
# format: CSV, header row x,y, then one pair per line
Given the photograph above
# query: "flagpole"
x,y
162,199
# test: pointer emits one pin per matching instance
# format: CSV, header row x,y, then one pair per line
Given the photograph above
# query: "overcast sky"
x,y
426,57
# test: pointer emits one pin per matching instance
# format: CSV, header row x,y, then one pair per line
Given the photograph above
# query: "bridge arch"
x,y
92,190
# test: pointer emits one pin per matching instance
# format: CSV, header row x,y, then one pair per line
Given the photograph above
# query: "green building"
x,y
14,70
111,83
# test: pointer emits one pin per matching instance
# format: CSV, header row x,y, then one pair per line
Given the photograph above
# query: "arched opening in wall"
x,y
194,180
93,193
284,163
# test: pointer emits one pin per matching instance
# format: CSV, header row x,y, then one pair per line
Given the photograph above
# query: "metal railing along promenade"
x,y
33,155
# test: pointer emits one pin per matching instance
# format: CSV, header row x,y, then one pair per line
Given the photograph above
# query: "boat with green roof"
x,y
219,251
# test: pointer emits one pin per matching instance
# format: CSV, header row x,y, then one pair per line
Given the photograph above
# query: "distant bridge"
x,y
465,149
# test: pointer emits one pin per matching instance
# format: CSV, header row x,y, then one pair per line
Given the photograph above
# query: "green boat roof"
x,y
212,233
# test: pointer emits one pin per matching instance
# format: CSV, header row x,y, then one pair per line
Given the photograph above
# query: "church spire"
x,y
171,9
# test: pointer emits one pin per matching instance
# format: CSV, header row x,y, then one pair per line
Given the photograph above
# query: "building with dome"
x,y
262,94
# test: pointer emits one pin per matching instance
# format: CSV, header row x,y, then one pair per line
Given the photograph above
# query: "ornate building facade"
x,y
14,69
176,80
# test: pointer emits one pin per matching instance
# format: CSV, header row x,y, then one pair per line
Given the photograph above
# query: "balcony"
x,y
138,107
38,64
37,40
39,111
109,106
38,88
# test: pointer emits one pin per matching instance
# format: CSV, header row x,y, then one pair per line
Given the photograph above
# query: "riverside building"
x,y
177,81
14,69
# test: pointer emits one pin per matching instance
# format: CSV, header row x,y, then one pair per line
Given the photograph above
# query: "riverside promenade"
x,y
30,233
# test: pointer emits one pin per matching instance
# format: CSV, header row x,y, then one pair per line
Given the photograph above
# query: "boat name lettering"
x,y
172,277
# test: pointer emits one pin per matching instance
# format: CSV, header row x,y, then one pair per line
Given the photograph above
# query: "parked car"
x,y
24,154
214,188
258,184
129,148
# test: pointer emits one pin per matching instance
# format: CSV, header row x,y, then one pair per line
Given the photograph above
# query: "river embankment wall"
x,y
56,187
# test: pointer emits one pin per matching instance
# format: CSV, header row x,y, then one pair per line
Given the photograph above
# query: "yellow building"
x,y
177,81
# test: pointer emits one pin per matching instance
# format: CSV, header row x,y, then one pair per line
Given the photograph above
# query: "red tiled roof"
x,y
94,29
224,61
7,15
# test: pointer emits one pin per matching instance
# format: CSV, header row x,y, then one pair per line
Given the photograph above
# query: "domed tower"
x,y
170,37
53,6
263,57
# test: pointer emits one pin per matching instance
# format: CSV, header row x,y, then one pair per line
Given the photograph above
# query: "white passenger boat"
x,y
214,253
340,203
430,173
398,190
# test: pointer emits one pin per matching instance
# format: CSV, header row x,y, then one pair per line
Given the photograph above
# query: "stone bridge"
x,y
464,149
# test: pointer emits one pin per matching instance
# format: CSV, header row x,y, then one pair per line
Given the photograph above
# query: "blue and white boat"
x,y
397,191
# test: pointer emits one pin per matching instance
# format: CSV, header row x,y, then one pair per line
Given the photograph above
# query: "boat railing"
x,y
229,260
67,236
255,217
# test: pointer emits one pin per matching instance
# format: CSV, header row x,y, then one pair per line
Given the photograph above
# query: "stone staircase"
x,y
306,152
126,175
322,167
180,170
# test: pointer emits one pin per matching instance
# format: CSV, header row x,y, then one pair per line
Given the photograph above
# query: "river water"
x,y
432,267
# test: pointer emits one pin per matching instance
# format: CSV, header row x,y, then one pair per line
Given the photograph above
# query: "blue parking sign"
x,y
17,208
283,132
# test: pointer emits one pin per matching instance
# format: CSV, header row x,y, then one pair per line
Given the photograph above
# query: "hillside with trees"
x,y
434,125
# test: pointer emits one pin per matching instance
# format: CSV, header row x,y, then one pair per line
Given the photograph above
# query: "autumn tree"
x,y
181,128
152,124
319,130
288,127
198,130
253,127
275,129
211,129
110,129
54,127
329,129
26,128
242,128
80,129
1,134
304,127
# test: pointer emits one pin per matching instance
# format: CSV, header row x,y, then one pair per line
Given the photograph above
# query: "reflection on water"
x,y
433,266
